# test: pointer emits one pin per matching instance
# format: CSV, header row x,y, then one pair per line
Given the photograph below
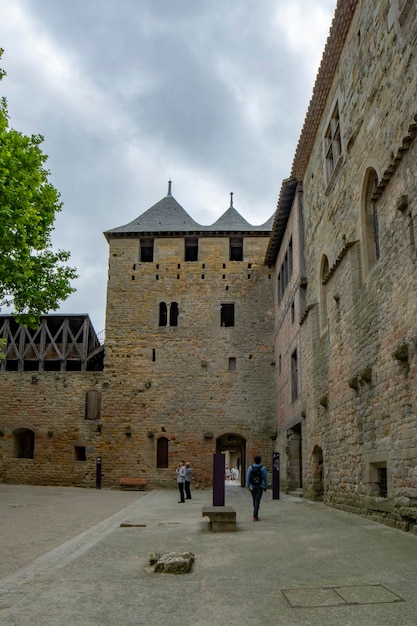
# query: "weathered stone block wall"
x,y
370,416
52,405
287,339
175,381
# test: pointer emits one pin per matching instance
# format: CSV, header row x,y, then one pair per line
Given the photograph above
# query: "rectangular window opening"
x,y
382,482
146,250
294,375
236,248
191,249
227,315
92,405
232,364
80,453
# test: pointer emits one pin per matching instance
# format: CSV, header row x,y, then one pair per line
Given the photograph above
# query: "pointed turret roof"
x,y
231,220
168,216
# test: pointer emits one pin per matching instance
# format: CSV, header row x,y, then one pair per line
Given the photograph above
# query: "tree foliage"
x,y
33,277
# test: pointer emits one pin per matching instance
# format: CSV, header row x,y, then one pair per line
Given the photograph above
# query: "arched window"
x,y
23,443
162,452
173,314
162,314
324,270
370,230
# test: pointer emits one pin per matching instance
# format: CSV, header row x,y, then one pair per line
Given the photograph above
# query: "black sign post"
x,y
98,472
275,475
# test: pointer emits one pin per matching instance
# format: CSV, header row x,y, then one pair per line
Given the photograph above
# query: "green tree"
x,y
34,278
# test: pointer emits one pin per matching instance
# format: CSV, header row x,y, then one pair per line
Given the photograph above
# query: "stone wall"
x,y
289,308
359,338
178,381
52,406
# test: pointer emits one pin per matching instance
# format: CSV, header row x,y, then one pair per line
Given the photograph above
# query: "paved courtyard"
x,y
76,556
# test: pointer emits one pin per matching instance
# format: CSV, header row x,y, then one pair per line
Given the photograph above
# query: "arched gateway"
x,y
234,446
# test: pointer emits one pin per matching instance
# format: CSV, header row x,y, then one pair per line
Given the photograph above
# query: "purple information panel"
x,y
219,466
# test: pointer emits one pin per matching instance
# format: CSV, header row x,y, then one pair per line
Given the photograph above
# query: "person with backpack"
x,y
256,481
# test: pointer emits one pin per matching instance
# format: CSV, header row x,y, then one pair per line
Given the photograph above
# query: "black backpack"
x,y
256,477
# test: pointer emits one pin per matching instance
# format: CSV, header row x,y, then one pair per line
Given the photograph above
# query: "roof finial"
x,y
231,199
169,188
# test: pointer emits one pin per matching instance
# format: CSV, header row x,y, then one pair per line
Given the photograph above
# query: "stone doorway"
x,y
294,458
317,473
234,447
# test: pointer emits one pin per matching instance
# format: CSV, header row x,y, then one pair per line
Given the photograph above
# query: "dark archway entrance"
x,y
318,473
235,447
294,458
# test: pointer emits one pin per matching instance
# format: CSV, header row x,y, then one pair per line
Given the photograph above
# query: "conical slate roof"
x,y
168,216
231,220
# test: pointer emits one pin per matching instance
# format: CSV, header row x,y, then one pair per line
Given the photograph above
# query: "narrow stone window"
x,y
227,314
162,452
236,248
323,292
378,479
153,355
382,482
332,142
80,453
232,364
146,250
294,375
370,227
292,312
191,249
279,364
23,443
163,314
173,314
92,405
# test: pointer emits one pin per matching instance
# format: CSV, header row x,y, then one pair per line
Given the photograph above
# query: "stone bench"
x,y
221,517
134,483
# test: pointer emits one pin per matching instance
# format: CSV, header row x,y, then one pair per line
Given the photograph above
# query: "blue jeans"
x,y
256,496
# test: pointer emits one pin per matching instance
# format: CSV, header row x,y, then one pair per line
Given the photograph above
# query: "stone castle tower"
x,y
189,362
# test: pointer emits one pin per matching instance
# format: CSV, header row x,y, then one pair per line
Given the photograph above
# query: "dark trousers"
x,y
256,496
181,488
187,489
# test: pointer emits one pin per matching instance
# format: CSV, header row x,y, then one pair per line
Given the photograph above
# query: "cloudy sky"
x,y
131,93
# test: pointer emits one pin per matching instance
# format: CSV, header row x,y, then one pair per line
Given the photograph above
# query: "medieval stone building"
x,y
220,338
357,164
188,368
189,362
50,389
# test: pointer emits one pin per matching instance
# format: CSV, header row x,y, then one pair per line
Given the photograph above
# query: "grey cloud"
x,y
207,92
